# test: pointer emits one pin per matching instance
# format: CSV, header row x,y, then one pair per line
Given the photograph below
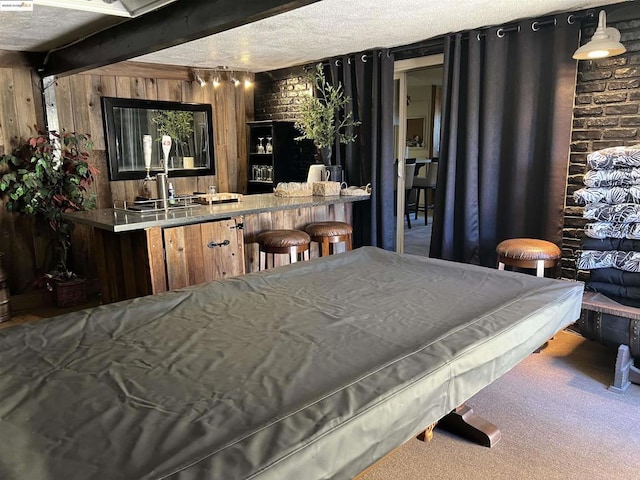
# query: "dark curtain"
x,y
507,109
368,80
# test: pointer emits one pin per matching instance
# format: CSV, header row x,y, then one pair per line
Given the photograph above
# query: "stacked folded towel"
x,y
611,248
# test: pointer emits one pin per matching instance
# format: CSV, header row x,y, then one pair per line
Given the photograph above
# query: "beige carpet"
x,y
557,418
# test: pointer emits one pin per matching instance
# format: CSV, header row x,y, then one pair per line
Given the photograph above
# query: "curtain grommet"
x,y
364,58
500,33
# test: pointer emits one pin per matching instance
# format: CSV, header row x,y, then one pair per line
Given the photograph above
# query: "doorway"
x,y
418,82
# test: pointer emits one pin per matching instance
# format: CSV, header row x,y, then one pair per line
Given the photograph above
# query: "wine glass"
x,y
260,146
269,148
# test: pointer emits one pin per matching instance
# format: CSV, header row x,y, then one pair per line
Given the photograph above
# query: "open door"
x,y
417,84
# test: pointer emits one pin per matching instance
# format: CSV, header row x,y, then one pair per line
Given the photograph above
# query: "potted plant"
x,y
179,126
45,177
324,117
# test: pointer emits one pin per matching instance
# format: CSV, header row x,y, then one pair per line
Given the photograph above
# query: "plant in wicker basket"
x,y
45,177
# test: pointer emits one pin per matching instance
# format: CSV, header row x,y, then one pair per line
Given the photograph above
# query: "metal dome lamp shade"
x,y
604,43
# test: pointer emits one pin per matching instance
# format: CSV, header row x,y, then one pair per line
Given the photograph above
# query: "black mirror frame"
x,y
108,105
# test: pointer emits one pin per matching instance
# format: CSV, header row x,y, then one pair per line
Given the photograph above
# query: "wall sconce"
x,y
216,82
604,43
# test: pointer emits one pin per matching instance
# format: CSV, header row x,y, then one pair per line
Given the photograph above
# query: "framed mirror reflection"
x,y
146,136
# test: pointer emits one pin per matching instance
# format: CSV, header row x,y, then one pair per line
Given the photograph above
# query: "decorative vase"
x,y
5,312
333,173
325,155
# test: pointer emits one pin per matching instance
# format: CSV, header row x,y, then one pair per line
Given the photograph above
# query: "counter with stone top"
x,y
142,254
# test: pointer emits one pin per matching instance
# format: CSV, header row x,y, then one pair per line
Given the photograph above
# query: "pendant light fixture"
x,y
604,43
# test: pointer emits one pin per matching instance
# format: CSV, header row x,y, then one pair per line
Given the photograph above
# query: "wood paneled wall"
x,y
21,109
77,100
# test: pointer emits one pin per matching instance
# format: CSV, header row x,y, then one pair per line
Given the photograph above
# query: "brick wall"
x,y
278,93
605,114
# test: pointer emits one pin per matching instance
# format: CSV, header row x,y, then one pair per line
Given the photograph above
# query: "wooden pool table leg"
x,y
464,422
427,435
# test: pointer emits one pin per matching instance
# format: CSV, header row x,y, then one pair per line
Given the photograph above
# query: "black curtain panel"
x,y
506,128
368,80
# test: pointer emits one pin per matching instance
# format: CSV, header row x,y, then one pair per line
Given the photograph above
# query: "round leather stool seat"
x,y
528,253
283,238
330,233
291,242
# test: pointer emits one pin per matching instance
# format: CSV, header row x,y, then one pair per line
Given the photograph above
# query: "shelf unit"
x,y
288,161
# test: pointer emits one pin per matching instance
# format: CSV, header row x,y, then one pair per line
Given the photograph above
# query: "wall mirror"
x,y
134,131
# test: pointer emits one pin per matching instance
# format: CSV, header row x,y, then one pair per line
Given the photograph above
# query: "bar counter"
x,y
118,221
143,254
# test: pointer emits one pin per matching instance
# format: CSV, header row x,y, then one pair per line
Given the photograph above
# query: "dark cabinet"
x,y
276,156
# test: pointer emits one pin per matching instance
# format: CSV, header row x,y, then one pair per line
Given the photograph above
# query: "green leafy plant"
x,y
324,117
45,177
178,125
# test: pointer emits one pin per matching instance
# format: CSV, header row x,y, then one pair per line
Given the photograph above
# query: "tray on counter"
x,y
155,205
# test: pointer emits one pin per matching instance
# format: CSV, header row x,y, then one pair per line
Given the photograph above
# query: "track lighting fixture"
x,y
200,80
222,74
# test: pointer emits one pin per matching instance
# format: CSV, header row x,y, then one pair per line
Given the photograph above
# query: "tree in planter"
x,y
324,117
45,177
179,126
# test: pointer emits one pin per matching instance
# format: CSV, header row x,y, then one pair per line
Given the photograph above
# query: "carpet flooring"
x,y
557,418
417,239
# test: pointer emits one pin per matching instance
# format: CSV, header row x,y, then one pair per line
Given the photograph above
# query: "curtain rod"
x,y
338,59
537,23
437,43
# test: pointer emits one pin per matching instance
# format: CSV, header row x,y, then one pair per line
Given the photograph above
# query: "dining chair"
x,y
409,178
428,185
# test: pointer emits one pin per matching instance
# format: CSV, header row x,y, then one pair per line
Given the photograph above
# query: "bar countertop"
x,y
120,221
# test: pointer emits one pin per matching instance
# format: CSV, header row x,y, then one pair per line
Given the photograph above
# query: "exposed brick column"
x,y
605,114
278,93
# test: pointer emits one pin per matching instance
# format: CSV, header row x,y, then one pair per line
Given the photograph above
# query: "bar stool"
x,y
328,234
290,242
528,253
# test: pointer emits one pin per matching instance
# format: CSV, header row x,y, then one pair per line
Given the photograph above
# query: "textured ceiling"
x,y
313,32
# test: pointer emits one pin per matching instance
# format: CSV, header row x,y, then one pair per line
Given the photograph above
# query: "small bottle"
x,y
172,194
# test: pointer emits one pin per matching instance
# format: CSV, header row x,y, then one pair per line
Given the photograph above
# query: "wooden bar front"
x,y
157,259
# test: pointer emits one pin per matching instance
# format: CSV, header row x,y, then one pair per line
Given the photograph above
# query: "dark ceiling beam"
x,y
178,22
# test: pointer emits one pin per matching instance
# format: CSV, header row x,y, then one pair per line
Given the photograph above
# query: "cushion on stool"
x,y
283,238
528,249
329,229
